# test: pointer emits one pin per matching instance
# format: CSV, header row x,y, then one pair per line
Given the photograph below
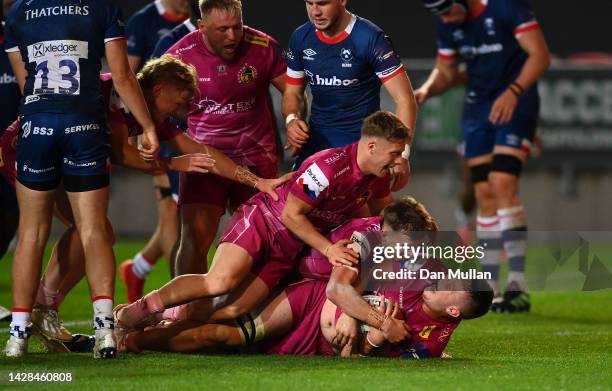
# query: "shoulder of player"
x,y
366,29
303,32
258,38
187,42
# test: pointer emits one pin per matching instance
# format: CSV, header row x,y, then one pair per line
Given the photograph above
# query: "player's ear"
x,y
157,90
453,311
372,146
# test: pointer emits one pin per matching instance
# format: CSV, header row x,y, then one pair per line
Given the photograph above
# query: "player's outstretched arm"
x,y
444,76
124,154
225,167
400,89
128,88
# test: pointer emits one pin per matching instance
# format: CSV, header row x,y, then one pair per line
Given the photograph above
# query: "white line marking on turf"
x,y
67,324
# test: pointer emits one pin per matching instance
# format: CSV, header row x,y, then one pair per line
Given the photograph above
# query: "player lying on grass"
x,y
402,215
302,320
264,237
167,84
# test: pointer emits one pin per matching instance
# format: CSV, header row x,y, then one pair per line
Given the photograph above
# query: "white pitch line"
x,y
68,324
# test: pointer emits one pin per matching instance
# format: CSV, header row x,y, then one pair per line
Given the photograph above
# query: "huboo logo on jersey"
x,y
469,52
313,181
58,48
7,78
333,81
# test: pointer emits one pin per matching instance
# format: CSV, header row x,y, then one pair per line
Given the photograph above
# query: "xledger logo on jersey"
x,y
333,81
6,78
313,181
60,48
309,54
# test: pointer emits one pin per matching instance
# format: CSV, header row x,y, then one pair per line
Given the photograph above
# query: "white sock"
x,y
141,267
103,313
21,327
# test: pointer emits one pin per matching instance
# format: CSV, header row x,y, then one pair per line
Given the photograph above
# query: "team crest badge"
x,y
346,54
247,74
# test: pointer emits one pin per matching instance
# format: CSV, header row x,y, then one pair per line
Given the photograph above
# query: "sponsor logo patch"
x,y
313,181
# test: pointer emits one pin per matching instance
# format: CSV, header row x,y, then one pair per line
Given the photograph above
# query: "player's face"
x,y
222,32
325,13
170,100
444,295
384,154
456,15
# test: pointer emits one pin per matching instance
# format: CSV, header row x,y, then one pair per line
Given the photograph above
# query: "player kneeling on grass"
x,y
168,84
264,237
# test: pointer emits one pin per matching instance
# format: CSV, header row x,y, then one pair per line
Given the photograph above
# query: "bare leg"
x,y
34,225
199,224
277,320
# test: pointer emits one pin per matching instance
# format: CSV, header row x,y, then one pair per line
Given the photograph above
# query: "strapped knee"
x,y
480,173
251,329
508,164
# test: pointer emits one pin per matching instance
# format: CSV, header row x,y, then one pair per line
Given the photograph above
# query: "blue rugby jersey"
x,y
147,26
173,37
488,44
344,74
62,44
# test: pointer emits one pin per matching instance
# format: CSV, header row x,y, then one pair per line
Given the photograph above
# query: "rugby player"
x,y
264,237
236,66
55,50
302,321
164,240
167,84
344,59
505,53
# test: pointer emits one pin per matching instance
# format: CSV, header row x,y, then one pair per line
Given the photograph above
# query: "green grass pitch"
x,y
565,343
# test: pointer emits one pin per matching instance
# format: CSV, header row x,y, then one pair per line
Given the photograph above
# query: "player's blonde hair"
x,y
233,6
385,125
170,70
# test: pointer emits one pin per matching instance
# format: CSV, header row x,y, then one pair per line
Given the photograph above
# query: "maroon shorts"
x,y
196,188
306,299
272,246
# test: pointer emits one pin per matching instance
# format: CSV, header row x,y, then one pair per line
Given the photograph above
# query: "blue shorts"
x,y
481,136
173,176
54,146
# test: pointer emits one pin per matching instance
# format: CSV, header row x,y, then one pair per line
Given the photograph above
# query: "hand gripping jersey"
x,y
62,43
487,42
172,37
232,112
147,26
344,74
316,265
9,90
